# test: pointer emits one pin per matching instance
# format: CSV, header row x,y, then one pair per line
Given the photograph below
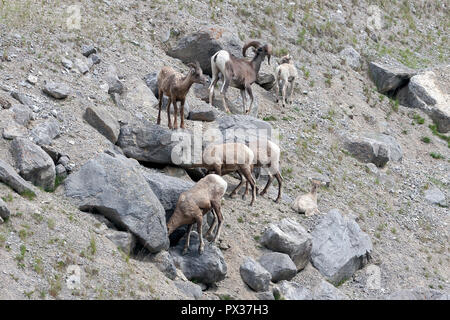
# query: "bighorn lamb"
x,y
307,203
239,73
194,203
285,76
267,155
176,86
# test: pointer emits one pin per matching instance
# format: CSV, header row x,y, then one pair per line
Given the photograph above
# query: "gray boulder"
x,y
291,238
389,76
205,113
45,132
22,114
22,98
243,128
202,45
265,80
254,275
123,240
351,57
4,103
280,266
4,211
149,142
14,131
286,290
87,50
376,148
82,66
165,263
207,268
435,196
418,294
268,295
190,289
113,186
61,171
57,90
326,291
102,121
10,177
428,91
339,247
34,164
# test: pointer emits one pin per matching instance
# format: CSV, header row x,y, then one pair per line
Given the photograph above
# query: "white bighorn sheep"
x,y
226,158
285,76
176,86
237,72
307,203
193,204
267,156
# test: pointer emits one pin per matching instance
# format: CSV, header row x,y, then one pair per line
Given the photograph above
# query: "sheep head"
x,y
197,73
259,48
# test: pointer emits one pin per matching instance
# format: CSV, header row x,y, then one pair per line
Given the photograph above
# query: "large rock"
x,y
243,128
326,291
339,247
254,275
429,91
4,211
389,76
291,238
351,57
168,189
10,177
4,103
22,98
102,121
435,196
34,164
376,148
57,90
207,268
45,132
14,131
287,290
149,142
113,186
202,45
419,294
205,113
123,240
190,289
22,114
139,95
265,80
280,266
164,262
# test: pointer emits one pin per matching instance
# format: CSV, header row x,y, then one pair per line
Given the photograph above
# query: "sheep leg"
x,y
284,93
277,89
233,193
175,113
216,207
211,87
280,182
168,114
201,245
250,93
188,237
213,225
248,175
158,121
182,114
243,99
223,91
291,88
269,182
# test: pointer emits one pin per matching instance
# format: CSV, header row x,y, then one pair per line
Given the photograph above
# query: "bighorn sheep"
x,y
194,203
267,156
176,86
239,73
226,158
285,74
307,203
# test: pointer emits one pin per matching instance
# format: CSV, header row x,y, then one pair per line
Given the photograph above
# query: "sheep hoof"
x,y
200,250
244,196
185,251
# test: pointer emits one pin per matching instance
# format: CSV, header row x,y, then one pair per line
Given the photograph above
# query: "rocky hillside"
x,y
87,181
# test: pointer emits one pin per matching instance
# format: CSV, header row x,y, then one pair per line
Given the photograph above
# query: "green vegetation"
x,y
435,132
436,155
425,140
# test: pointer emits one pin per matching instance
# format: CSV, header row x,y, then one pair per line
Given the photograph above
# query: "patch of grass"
x,y
92,246
270,118
225,297
28,194
55,286
435,132
425,140
8,198
240,220
418,119
51,224
436,155
38,267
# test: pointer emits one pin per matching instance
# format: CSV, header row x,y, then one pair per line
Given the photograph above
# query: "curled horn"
x,y
254,44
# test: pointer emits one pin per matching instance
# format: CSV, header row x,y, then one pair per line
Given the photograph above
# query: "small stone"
x,y
87,50
32,79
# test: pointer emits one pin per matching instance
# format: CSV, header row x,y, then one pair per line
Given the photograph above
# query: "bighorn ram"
x,y
176,86
285,76
307,203
194,203
239,73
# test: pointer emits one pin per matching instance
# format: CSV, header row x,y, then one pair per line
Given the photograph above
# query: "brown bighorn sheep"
x,y
285,75
226,158
307,203
239,73
176,86
194,203
267,155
